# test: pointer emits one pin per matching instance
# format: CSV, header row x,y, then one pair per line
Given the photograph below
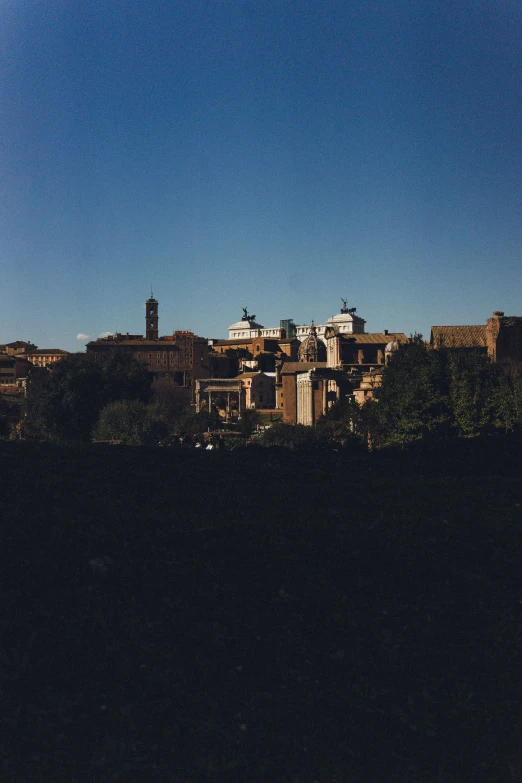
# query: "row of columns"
x,y
210,392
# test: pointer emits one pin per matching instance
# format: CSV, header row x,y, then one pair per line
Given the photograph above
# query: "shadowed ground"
x,y
265,615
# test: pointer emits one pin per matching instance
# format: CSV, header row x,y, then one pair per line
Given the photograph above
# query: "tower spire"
x,y
151,317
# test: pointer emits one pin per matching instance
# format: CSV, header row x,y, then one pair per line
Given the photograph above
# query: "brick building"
x,y
181,357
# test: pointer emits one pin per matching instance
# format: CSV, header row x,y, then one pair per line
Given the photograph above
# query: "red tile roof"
x,y
459,336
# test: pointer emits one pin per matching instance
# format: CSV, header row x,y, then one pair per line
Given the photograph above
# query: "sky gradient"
x,y
276,155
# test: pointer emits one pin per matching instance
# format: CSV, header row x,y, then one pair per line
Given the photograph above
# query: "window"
x,y
139,356
159,356
150,356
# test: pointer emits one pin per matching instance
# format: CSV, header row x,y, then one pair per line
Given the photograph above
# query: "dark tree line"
x,y
82,398
65,402
430,394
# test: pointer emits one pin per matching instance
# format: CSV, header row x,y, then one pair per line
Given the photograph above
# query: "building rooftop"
x,y
289,368
47,351
375,338
235,341
459,336
138,339
19,344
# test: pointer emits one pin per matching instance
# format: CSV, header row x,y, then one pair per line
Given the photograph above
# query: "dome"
x,y
312,349
250,324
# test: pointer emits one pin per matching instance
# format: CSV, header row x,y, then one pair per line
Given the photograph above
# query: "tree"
x,y
250,418
473,381
197,423
507,400
172,402
132,422
64,403
413,401
4,419
427,393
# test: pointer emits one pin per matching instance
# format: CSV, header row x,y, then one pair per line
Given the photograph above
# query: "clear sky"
x,y
275,154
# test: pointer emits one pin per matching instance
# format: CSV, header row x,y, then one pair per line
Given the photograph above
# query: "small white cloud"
x,y
82,336
106,334
52,339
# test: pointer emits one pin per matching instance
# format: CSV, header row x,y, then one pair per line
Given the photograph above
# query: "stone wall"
x,y
504,337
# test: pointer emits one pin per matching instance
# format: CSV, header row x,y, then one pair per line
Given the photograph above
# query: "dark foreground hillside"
x,y
264,616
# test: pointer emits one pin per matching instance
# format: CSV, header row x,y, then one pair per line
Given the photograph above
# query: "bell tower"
x,y
151,318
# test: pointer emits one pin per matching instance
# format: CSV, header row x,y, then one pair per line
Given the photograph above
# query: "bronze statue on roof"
x,y
246,316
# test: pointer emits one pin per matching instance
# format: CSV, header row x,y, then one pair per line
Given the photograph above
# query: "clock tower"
x,y
151,318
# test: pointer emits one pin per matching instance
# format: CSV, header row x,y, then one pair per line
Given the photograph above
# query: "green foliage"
x,y
197,423
4,419
250,418
473,380
344,410
507,400
431,394
172,403
337,433
413,402
327,434
289,436
64,403
132,422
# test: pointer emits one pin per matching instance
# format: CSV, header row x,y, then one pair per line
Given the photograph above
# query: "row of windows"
x,y
170,356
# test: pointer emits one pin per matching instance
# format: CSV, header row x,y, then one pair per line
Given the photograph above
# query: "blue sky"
x,y
276,155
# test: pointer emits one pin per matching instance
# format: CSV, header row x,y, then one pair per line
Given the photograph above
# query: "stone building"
x,y
359,351
500,337
346,322
17,348
18,358
181,357
248,328
229,392
13,372
250,390
352,364
312,349
259,389
44,357
308,389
